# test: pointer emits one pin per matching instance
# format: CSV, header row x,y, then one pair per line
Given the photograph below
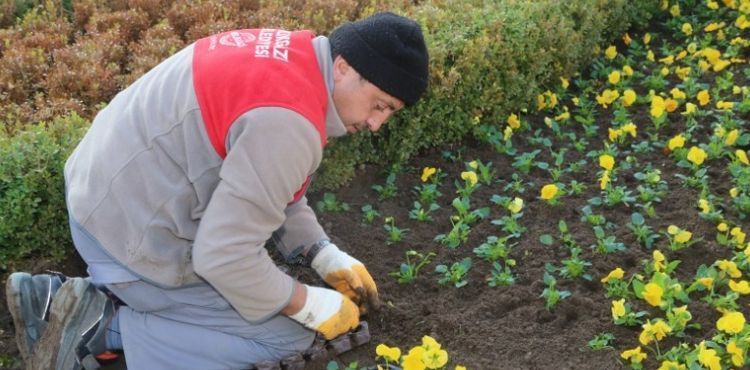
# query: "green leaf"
x,y
546,239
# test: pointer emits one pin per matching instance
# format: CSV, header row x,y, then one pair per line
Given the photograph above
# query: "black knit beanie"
x,y
388,50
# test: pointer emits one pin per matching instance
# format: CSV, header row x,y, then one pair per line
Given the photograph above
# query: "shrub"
x,y
33,219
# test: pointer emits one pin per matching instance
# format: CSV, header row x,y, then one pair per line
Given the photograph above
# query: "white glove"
x,y
347,275
327,312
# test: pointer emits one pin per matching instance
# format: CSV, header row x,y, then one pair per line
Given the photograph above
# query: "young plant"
x,y
516,184
463,214
369,214
458,235
501,275
551,294
574,266
427,193
606,244
456,274
422,214
331,204
642,232
526,161
389,190
602,341
410,269
494,249
395,234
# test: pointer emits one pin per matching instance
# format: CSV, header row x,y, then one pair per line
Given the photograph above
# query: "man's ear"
x,y
340,68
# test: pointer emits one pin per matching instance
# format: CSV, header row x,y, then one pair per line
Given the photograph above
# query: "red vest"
x,y
236,71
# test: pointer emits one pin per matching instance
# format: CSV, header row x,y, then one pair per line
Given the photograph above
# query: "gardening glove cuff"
x,y
327,312
347,275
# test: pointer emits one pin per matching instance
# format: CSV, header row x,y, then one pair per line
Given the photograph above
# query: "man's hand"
x,y
347,275
327,312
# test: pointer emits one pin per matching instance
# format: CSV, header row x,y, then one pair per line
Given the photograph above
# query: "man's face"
x,y
360,104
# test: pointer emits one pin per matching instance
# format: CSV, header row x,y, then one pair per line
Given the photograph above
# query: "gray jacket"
x,y
149,189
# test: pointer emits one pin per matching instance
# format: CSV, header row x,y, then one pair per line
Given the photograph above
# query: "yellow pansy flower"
x,y
734,192
713,26
730,268
650,56
564,82
627,70
460,367
626,39
657,106
435,358
741,287
683,236
687,29
391,354
611,52
696,155
614,77
658,259
738,354
674,10
507,133
731,137
513,121
704,206
473,164
741,156
668,60
427,172
656,330
617,273
690,108
618,309
670,105
604,180
703,97
516,205
726,105
671,365
606,161
742,22
676,142
413,360
652,293
470,177
613,134
664,71
678,94
722,227
634,355
708,357
731,322
628,97
647,38
549,191
707,282
682,72
630,128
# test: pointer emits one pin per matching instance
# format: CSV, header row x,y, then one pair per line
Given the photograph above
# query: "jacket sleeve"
x,y
300,230
270,153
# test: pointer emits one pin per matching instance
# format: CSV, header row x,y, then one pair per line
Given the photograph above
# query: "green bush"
x,y
33,218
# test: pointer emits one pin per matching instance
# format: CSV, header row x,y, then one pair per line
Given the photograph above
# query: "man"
x,y
186,174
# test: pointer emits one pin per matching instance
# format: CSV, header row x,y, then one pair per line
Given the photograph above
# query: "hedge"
x,y
488,59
